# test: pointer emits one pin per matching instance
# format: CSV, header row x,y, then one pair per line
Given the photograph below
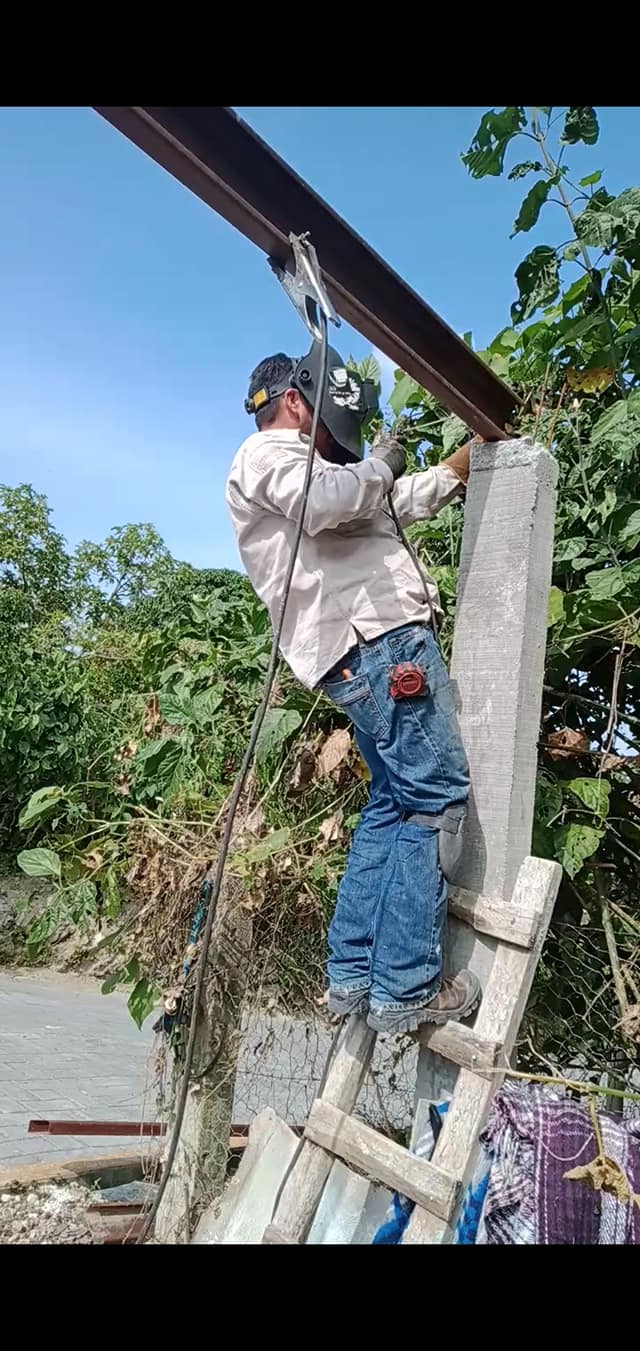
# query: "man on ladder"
x,y
360,624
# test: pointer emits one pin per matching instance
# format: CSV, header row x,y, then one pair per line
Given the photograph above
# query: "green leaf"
x,y
607,218
454,431
527,167
126,976
593,792
279,724
507,337
619,425
40,804
404,387
81,898
631,525
487,150
590,179
538,282
568,549
580,124
206,704
548,800
161,764
111,983
626,210
571,252
532,206
39,863
272,844
606,583
574,844
141,1001
176,709
150,757
369,369
555,610
110,893
574,293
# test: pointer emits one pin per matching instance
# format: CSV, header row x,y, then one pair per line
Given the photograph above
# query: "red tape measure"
x,y
407,680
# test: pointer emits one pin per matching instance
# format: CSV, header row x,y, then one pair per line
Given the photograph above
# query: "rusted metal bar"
x,y
109,1208
115,1229
237,1140
215,154
46,1127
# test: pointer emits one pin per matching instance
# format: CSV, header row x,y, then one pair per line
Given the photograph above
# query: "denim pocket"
x,y
356,697
345,692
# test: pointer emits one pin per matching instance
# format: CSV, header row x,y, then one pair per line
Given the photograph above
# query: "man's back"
x,y
353,575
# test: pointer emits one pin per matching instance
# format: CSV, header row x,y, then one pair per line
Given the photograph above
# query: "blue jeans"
x,y
385,937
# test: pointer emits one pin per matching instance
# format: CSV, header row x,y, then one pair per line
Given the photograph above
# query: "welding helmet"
x,y
346,401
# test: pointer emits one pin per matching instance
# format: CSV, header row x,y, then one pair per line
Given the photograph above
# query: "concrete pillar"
x,y
499,645
497,669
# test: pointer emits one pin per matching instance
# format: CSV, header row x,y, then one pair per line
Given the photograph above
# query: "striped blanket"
x,y
519,1193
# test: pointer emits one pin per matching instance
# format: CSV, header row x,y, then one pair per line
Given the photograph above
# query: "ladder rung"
x,y
503,920
462,1045
382,1160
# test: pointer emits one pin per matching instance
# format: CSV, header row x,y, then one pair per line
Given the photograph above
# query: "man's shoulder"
x,y
260,450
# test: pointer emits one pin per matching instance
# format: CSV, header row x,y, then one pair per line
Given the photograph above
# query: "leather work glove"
x,y
459,462
387,448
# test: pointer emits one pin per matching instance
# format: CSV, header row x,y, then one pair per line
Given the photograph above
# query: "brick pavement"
x,y
68,1051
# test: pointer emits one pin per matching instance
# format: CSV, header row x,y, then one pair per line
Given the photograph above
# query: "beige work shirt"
x,y
353,575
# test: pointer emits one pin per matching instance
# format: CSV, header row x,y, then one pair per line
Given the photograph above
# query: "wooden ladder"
x,y
515,931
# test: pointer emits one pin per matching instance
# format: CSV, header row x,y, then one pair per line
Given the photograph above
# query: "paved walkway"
x,y
67,1051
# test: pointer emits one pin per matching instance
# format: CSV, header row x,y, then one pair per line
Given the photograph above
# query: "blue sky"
x,y
131,315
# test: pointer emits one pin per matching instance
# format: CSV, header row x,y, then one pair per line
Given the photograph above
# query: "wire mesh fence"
x,y
581,1017
574,1027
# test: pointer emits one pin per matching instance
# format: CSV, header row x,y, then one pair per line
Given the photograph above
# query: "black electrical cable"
x,y
236,794
416,562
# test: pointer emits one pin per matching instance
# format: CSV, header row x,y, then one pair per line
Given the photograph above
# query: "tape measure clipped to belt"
x,y
407,680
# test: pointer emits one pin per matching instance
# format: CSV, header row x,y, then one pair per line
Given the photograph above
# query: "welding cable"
x,y
236,794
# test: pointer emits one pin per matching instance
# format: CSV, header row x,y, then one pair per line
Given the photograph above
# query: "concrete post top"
x,y
515,454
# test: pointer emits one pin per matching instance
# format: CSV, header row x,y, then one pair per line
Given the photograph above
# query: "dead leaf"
x,y
361,769
592,381
610,762
152,716
122,783
93,860
604,1175
303,770
630,1023
330,830
566,744
127,752
254,823
336,749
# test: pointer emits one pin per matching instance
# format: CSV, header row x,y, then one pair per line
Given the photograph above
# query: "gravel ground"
x,y
51,1213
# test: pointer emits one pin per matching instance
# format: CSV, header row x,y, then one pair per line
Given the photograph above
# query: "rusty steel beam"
x,y
47,1127
238,1138
215,154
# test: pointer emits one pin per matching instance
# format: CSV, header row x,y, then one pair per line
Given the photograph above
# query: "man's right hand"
x,y
387,448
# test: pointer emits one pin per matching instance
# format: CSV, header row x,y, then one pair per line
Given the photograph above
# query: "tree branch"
x,y
567,696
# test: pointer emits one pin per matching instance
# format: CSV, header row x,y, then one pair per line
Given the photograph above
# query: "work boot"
x,y
456,999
